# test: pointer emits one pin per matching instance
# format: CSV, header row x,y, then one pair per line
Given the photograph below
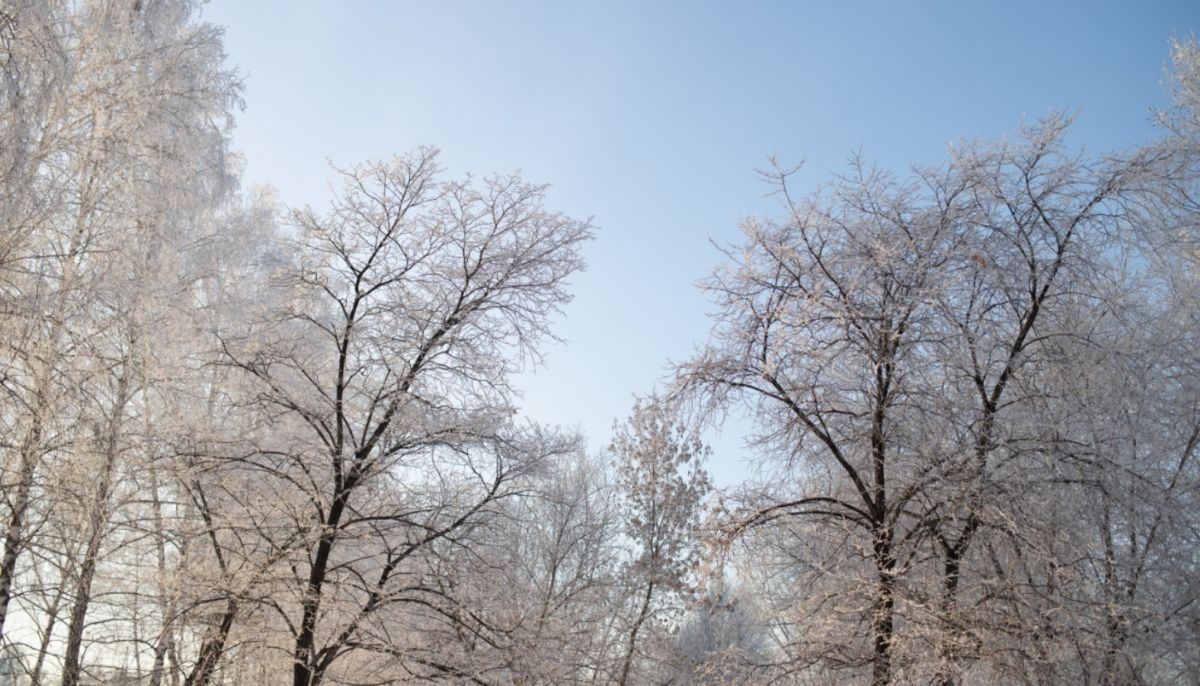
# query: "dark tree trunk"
x,y
97,525
305,671
212,648
885,608
14,537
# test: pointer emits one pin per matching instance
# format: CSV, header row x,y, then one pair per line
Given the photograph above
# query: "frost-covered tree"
x,y
387,372
661,478
723,640
891,337
114,141
547,579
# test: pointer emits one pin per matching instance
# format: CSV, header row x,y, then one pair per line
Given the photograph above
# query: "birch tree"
x,y
113,104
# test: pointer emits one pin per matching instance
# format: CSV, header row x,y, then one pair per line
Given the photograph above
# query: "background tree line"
x,y
248,444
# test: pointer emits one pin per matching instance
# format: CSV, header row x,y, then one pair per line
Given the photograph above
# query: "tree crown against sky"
x,y
653,119
248,442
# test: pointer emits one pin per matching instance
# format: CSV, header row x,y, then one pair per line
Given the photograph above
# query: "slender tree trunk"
x,y
1114,620
212,648
173,663
97,524
165,641
885,608
35,676
305,672
14,537
31,447
633,633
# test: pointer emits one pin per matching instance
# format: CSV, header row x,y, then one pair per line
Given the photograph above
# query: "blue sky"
x,y
652,117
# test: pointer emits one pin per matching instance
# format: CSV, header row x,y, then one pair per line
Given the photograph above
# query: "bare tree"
x,y
118,112
820,321
412,303
544,581
887,337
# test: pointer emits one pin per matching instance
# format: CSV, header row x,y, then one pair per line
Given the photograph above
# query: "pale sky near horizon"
x,y
652,117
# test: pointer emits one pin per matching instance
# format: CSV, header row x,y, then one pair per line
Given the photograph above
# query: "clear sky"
x,y
651,117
